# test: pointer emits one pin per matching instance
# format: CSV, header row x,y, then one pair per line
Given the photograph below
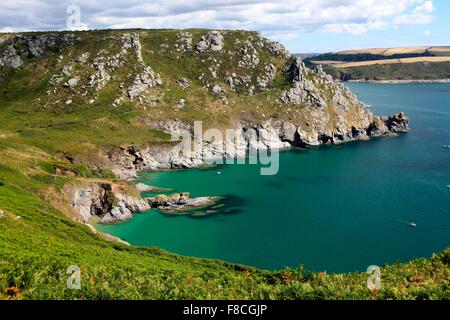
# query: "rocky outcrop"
x,y
384,126
101,200
184,41
9,58
264,81
250,58
179,202
273,134
32,47
211,41
143,81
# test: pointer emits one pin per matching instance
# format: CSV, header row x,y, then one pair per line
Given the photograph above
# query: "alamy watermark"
x,y
374,280
73,21
74,278
213,148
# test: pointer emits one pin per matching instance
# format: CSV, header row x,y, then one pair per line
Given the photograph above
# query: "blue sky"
x,y
302,25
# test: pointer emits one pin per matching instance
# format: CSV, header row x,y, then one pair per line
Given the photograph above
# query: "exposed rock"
x,y
132,41
269,75
9,58
184,41
212,40
117,102
72,82
143,81
277,49
378,127
117,214
294,95
382,126
217,89
2,213
32,46
398,123
101,200
250,58
184,83
179,202
181,103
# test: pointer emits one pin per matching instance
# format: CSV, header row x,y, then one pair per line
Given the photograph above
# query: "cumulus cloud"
x,y
282,19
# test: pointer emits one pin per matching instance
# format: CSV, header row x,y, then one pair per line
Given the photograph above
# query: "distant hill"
x,y
307,55
408,63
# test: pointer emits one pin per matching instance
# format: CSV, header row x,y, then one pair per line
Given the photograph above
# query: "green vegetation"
x,y
46,144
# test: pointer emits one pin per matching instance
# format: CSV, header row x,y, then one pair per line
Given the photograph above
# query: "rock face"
x,y
184,41
211,41
179,202
9,58
250,58
273,134
32,47
143,81
101,200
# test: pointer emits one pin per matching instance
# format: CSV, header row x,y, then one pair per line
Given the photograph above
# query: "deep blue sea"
x,y
334,209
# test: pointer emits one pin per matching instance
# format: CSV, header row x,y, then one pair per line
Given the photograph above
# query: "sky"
x,y
303,26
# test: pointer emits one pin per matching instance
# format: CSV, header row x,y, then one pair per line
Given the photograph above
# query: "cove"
x,y
335,209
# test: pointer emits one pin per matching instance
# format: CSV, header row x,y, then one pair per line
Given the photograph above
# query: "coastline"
x,y
418,81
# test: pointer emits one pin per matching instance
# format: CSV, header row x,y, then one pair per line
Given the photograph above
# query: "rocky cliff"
x,y
165,80
104,201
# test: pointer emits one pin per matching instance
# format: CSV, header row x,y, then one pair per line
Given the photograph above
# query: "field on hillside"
x,y
393,51
407,63
340,64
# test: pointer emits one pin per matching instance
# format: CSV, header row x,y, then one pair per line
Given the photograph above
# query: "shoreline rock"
x,y
179,202
127,162
102,200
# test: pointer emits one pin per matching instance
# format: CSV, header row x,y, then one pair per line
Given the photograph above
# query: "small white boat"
x,y
448,186
413,224
446,146
218,172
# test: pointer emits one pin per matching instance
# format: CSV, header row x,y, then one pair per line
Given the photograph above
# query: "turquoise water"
x,y
334,209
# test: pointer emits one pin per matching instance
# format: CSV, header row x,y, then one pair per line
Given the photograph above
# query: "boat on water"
x,y
446,146
413,224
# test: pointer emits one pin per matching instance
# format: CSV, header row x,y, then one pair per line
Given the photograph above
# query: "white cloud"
x,y
427,33
422,14
282,19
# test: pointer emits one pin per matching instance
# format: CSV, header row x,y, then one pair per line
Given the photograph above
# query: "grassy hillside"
x,y
41,131
37,248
